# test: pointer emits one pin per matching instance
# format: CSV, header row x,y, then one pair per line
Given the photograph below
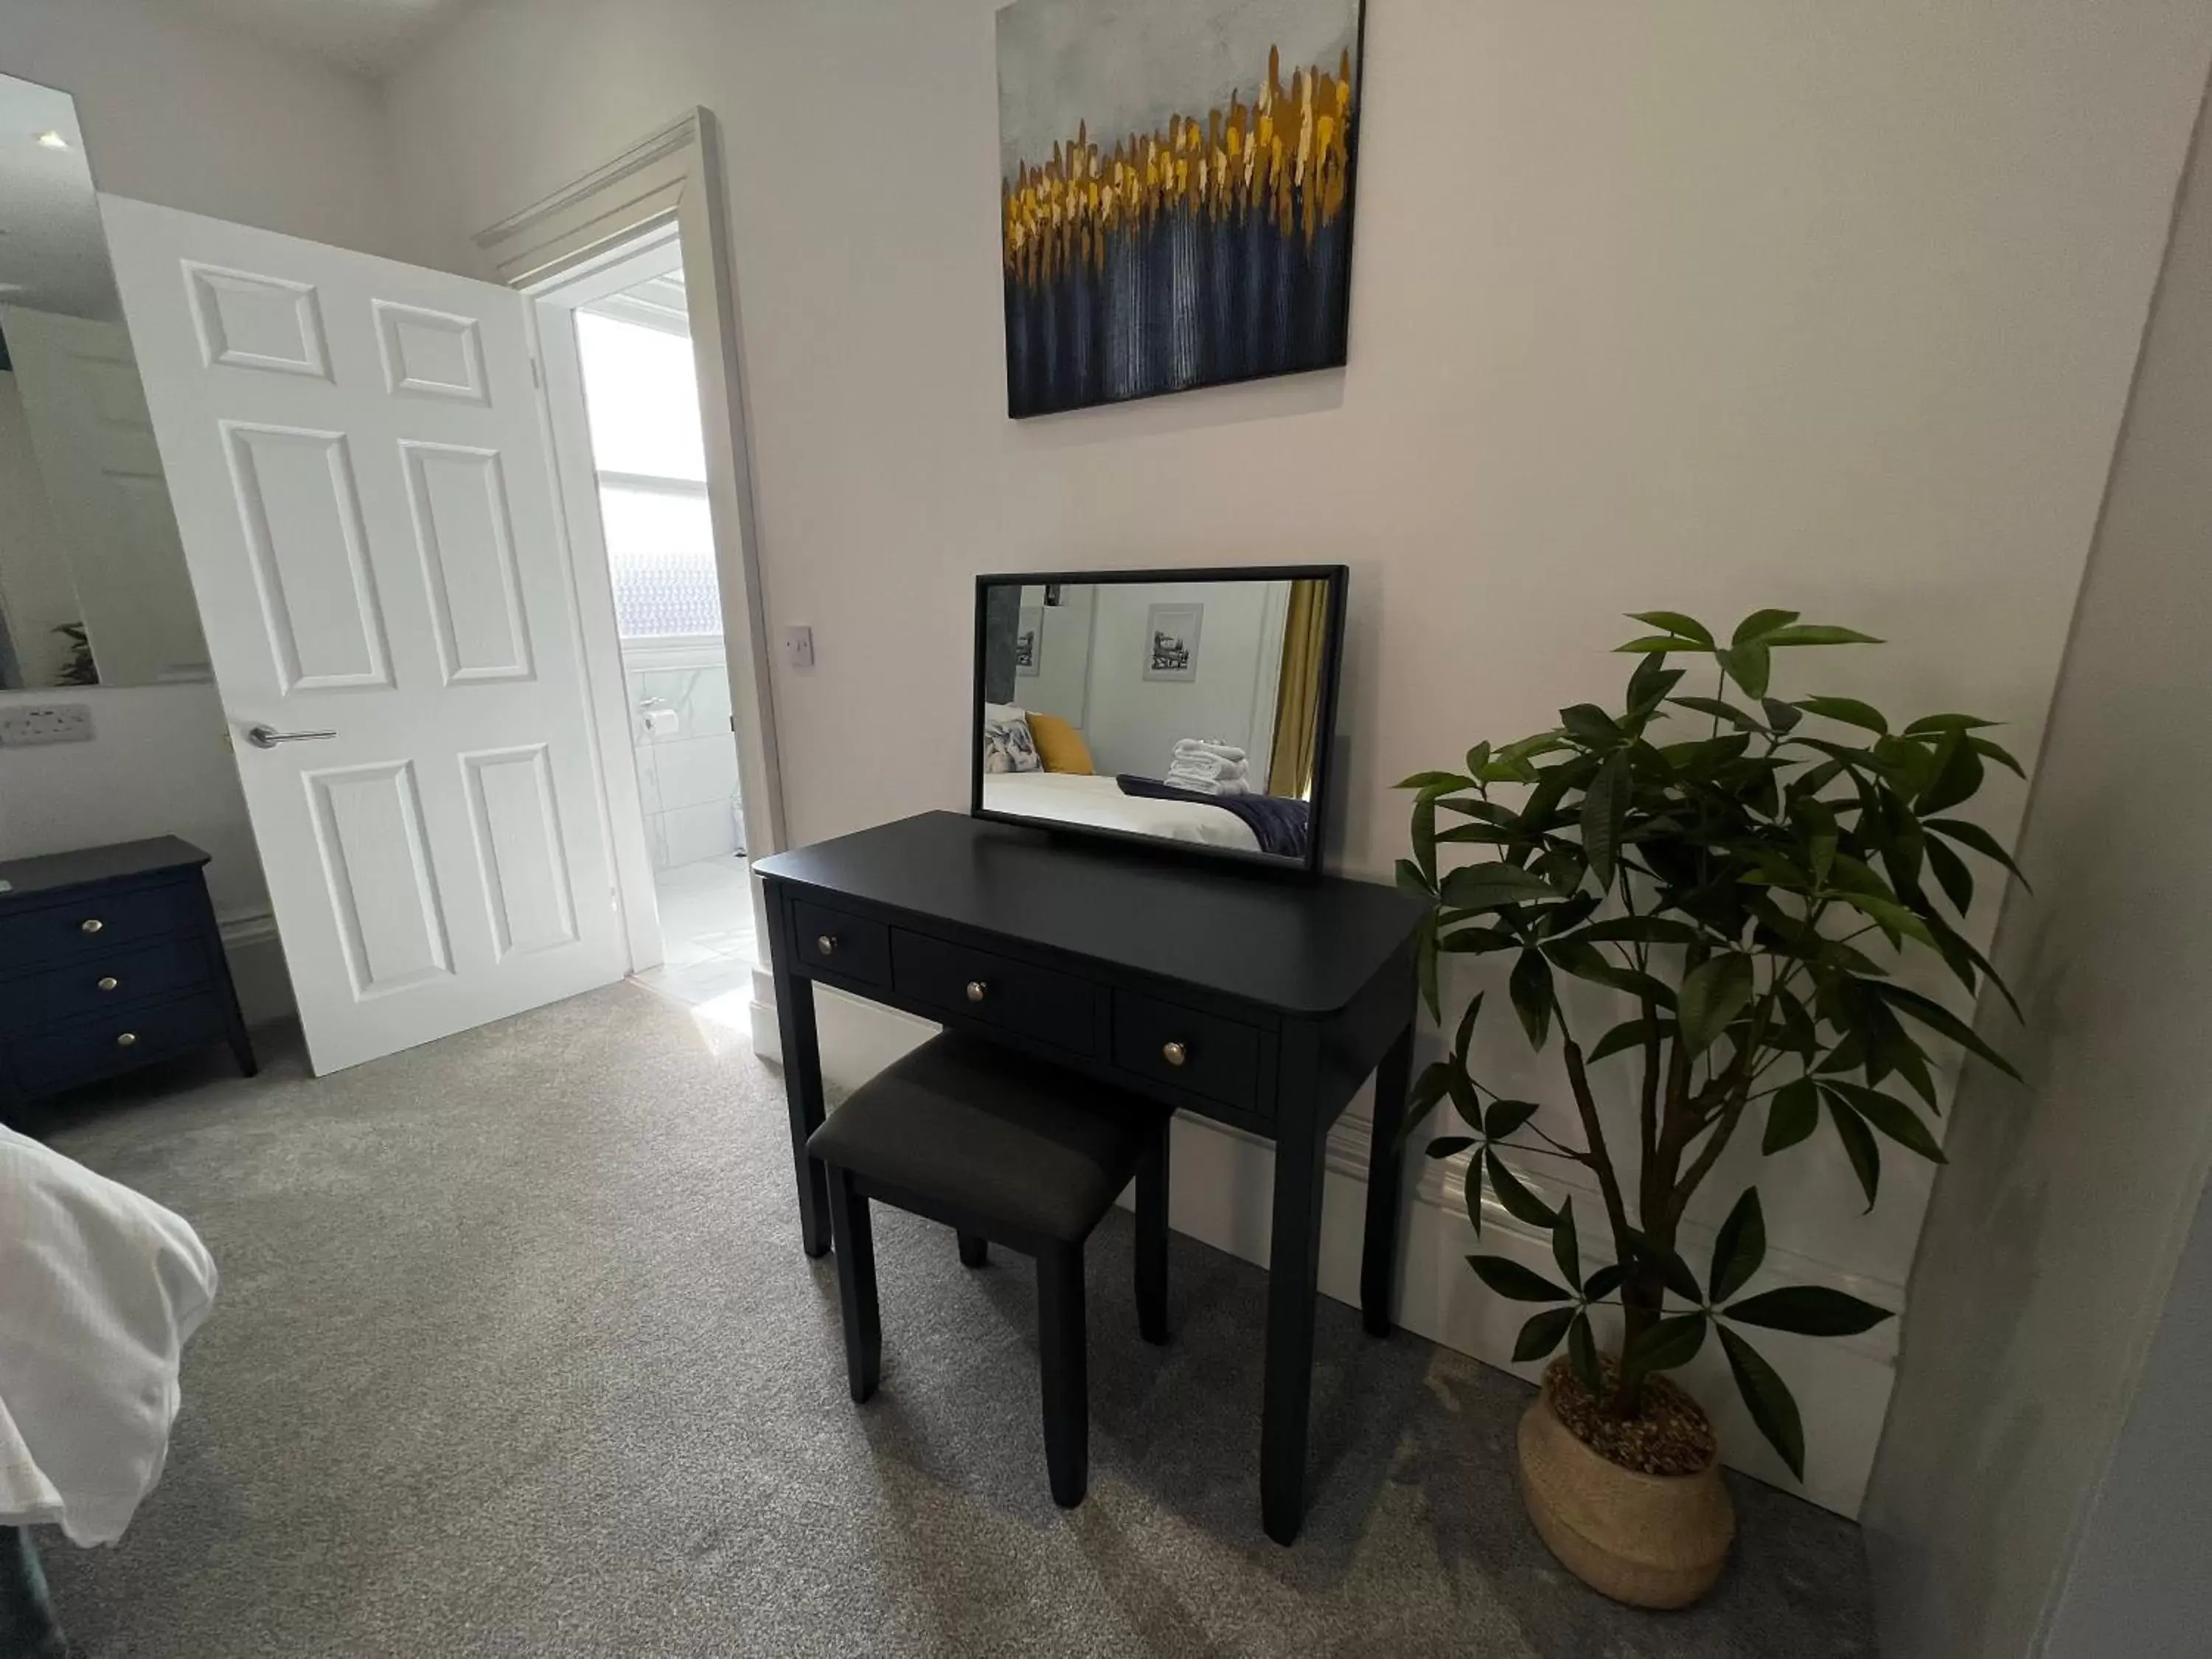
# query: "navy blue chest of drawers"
x,y
109,960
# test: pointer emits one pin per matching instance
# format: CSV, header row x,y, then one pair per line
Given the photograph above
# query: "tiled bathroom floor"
x,y
706,931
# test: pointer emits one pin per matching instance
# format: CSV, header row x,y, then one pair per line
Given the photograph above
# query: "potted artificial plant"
x,y
1740,873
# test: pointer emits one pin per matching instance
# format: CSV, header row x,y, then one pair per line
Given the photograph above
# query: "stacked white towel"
x,y
1207,768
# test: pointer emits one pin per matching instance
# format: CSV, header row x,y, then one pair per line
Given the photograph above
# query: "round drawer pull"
x,y
90,925
126,1039
977,990
826,943
108,981
1174,1052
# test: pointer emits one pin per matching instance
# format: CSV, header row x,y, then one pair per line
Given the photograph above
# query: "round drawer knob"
x,y
977,990
126,1039
826,943
1174,1052
90,925
108,981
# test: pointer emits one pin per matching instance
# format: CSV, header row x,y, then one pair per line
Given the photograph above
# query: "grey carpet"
x,y
517,1354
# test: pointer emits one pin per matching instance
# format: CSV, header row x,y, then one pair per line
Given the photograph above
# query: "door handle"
x,y
267,737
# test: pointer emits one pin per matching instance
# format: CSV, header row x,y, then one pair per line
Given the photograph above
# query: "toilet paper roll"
x,y
661,722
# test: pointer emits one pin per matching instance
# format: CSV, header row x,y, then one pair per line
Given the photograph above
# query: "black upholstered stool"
x,y
1006,1150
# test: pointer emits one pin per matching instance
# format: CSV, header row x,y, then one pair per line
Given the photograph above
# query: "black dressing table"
x,y
1236,995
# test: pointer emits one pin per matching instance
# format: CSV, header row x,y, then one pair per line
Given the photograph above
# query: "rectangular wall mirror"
x,y
93,589
1189,709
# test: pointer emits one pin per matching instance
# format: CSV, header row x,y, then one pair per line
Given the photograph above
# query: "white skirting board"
x,y
257,966
1221,1194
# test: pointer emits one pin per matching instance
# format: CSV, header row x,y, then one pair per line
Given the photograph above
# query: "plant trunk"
x,y
1643,1301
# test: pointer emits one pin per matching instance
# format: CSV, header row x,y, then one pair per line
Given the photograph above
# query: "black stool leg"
x,y
1152,1241
1062,1362
856,1285
974,1250
26,1618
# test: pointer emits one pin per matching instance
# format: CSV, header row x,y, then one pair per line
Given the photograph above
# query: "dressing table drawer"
x,y
96,924
1204,1054
102,982
843,946
64,1055
1032,1002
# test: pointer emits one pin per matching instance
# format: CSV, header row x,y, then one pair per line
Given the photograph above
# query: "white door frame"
x,y
669,183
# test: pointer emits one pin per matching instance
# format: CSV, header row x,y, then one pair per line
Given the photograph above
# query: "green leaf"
x,y
1410,880
1581,1353
1435,780
1713,993
1522,1204
1954,776
1768,1399
1477,758
1424,837
1626,1036
1604,1282
1491,886
1941,1020
1465,1034
1461,1086
1782,716
1471,1195
1974,836
1687,628
1858,1146
1893,1118
1475,941
1821,837
1671,1342
1948,723
1655,644
1672,1269
1531,990
1605,811
1584,960
1720,711
1982,746
1820,633
1421,1100
1502,1117
1447,1146
1515,1282
1541,1334
1758,625
1791,1115
1649,685
1748,666
1739,1246
1565,1249
1806,1310
1891,918
1951,875
1425,966
1590,723
1849,710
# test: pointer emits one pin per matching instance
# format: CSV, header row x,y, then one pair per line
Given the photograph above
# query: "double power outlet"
x,y
24,724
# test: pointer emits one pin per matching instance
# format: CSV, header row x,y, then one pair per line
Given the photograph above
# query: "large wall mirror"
x,y
1191,709
93,589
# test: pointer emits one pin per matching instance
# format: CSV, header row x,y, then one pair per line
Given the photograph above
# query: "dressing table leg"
x,y
1386,1176
1293,1278
802,1092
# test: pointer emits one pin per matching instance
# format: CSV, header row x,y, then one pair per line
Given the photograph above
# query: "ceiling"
x,y
366,37
53,256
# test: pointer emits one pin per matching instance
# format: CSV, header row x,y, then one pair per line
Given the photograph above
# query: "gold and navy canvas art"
x,y
1175,194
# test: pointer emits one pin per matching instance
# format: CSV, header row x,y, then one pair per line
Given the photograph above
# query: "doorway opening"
x,y
623,383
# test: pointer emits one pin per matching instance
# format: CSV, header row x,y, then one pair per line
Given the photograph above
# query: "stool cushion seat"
x,y
1024,1145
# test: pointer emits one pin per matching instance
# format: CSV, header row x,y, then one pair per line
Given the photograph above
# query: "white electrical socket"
x,y
24,724
798,645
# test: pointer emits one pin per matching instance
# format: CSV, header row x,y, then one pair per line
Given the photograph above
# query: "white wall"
x,y
2054,1232
1716,305
1136,722
198,116
687,779
1061,684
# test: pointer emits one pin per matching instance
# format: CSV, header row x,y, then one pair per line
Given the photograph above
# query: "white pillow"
x,y
1008,743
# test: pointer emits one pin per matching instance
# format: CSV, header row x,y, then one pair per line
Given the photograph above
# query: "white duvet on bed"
x,y
1099,804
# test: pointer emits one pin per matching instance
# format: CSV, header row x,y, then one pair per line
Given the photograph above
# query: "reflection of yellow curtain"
x,y
1297,695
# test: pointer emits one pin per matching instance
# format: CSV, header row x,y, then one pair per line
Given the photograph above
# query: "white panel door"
x,y
357,455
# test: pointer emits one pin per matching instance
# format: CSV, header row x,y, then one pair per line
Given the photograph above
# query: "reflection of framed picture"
x,y
1171,641
1028,640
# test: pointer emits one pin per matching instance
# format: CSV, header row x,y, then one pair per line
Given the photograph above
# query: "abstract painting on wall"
x,y
1175,194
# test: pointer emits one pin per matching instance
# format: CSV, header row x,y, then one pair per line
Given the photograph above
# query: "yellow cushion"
x,y
1059,745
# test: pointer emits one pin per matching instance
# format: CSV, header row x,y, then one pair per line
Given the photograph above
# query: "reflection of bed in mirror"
x,y
1190,709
